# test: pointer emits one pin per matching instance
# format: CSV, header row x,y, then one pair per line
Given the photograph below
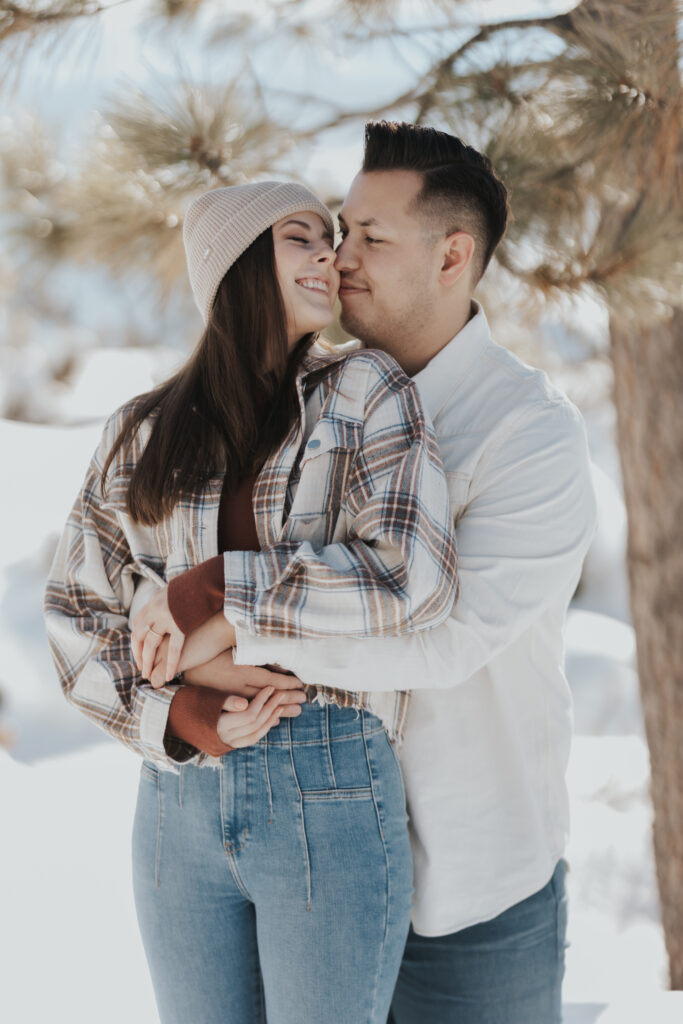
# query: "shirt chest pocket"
x,y
458,493
461,454
321,482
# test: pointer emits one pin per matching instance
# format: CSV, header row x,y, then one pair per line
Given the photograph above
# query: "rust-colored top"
x,y
193,598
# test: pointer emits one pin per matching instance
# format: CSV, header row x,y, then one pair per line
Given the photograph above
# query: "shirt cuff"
x,y
153,712
193,718
252,649
196,595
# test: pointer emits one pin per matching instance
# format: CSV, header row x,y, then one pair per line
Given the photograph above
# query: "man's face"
x,y
388,266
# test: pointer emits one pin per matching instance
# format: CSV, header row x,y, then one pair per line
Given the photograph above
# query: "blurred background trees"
x,y
579,109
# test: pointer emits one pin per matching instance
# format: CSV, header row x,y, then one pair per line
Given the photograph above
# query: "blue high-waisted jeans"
x,y
278,886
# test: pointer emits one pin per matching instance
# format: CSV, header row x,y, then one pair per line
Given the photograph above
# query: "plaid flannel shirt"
x,y
354,522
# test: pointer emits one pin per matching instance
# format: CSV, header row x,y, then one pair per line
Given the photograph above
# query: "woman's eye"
x,y
373,241
296,239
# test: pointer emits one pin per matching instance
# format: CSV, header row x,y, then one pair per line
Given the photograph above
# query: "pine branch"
x,y
16,18
174,9
124,205
193,131
442,74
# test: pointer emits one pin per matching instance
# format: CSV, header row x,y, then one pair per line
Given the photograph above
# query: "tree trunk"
x,y
648,372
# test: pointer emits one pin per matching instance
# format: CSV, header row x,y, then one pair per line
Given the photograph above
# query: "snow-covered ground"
x,y
68,939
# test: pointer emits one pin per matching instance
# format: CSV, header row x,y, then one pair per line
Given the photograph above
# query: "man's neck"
x,y
419,352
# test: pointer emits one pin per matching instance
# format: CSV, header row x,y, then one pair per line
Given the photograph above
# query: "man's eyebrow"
x,y
369,222
303,224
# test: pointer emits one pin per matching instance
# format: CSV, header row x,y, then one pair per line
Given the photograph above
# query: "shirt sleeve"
x,y
521,542
87,599
396,570
193,718
196,595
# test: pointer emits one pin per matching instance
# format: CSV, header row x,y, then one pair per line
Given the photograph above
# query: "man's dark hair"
x,y
460,189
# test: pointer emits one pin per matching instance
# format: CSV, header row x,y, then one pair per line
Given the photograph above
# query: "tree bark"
x,y
648,373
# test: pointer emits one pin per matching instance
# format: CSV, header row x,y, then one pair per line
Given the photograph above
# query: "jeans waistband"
x,y
322,723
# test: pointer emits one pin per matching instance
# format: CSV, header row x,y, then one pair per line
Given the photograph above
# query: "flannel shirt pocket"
x,y
323,471
324,468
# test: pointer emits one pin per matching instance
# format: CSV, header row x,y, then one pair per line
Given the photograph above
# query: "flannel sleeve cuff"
x,y
156,705
193,718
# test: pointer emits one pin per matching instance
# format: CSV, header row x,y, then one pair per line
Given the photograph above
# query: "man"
x,y
488,727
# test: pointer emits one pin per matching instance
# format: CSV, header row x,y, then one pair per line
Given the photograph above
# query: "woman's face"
x,y
304,258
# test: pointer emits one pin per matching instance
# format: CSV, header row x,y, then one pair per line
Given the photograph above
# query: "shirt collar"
x,y
317,358
448,369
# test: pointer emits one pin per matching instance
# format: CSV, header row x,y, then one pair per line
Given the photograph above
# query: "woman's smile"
x,y
315,284
305,263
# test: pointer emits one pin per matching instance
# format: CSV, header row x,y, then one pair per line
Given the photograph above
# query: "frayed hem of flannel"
x,y
356,702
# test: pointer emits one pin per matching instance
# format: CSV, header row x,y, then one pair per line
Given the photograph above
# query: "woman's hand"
x,y
206,642
243,722
221,673
245,680
202,646
150,627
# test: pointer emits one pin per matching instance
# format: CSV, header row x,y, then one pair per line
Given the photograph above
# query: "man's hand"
x,y
243,722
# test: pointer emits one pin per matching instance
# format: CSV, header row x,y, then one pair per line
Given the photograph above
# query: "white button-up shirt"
x,y
488,727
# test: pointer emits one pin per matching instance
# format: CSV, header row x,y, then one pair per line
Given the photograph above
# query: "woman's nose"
x,y
325,254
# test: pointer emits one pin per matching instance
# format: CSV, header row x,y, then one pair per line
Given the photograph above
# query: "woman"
x,y
278,884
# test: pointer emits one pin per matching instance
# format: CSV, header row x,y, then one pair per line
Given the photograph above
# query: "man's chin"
x,y
353,325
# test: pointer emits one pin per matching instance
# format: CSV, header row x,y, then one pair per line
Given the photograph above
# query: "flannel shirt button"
x,y
315,443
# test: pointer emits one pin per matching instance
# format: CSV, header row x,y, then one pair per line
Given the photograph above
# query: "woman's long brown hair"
x,y
230,405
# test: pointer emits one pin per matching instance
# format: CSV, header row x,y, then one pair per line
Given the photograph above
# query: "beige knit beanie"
x,y
221,224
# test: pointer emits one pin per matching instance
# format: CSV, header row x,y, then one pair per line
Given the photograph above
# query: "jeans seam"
x,y
329,749
337,794
157,852
232,865
316,742
386,873
302,817
270,791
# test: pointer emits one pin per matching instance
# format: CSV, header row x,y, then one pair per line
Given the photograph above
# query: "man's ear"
x,y
458,253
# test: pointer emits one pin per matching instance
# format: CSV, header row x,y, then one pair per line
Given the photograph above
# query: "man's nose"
x,y
345,259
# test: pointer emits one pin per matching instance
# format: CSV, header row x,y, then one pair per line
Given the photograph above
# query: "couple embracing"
x,y
352,806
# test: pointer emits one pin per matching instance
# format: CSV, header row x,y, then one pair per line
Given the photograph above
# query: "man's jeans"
x,y
278,884
505,971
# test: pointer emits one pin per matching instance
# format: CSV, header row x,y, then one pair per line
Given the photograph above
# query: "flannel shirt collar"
x,y
317,358
444,374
